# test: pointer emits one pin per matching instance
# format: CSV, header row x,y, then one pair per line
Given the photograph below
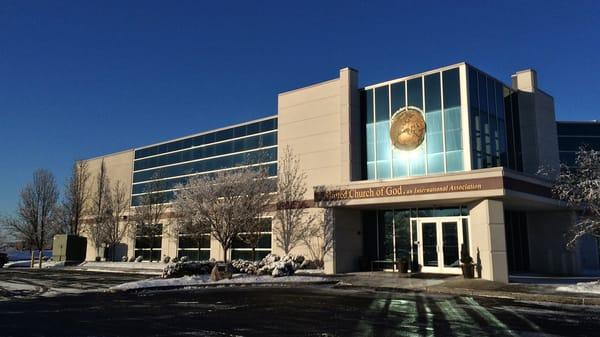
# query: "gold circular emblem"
x,y
407,129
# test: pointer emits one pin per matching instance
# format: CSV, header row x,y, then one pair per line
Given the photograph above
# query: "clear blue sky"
x,y
80,79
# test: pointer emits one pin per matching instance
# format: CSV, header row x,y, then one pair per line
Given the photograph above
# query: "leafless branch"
x,y
579,187
225,204
294,222
35,221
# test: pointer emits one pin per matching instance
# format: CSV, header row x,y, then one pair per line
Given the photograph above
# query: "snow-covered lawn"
x,y
582,287
203,280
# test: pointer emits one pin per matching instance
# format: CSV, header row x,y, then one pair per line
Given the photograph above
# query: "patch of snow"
x,y
27,263
310,272
582,287
124,265
200,280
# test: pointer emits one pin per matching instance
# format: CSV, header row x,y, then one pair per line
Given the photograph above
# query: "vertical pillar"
x,y
488,236
349,127
330,259
216,252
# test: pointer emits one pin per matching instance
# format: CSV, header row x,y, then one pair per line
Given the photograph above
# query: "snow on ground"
x,y
124,265
582,287
310,272
201,280
27,263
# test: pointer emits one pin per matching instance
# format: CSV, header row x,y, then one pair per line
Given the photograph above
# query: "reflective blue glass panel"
x,y
415,93
382,133
452,120
433,119
370,134
398,102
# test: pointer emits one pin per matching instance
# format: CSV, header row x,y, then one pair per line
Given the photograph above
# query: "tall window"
x,y
148,243
495,130
195,249
243,250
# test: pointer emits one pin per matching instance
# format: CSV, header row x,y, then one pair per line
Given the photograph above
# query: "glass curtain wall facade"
x,y
172,163
495,130
437,95
574,135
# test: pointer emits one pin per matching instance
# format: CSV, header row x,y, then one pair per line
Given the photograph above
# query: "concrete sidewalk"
x,y
457,285
143,268
387,281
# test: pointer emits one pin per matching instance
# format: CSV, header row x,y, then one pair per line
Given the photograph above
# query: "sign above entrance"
x,y
407,129
410,189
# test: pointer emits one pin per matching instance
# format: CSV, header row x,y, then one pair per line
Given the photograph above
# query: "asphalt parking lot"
x,y
17,283
269,311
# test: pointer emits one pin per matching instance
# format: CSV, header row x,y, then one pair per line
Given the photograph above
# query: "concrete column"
x,y
488,236
130,242
350,142
169,240
216,252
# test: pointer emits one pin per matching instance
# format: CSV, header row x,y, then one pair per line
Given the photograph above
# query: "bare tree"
x,y
75,197
4,235
225,203
35,221
149,213
116,226
100,210
293,218
319,237
579,187
187,218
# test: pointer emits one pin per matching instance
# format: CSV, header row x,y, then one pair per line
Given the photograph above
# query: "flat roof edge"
x,y
308,86
207,131
107,155
407,77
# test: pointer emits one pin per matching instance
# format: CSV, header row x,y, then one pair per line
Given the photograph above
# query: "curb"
x,y
223,285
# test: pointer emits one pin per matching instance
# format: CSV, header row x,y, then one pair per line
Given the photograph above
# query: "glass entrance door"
x,y
439,247
450,244
430,244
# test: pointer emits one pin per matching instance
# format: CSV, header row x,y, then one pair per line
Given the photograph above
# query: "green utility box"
x,y
69,248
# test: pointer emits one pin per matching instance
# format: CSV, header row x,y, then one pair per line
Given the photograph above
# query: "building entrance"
x,y
439,241
429,239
